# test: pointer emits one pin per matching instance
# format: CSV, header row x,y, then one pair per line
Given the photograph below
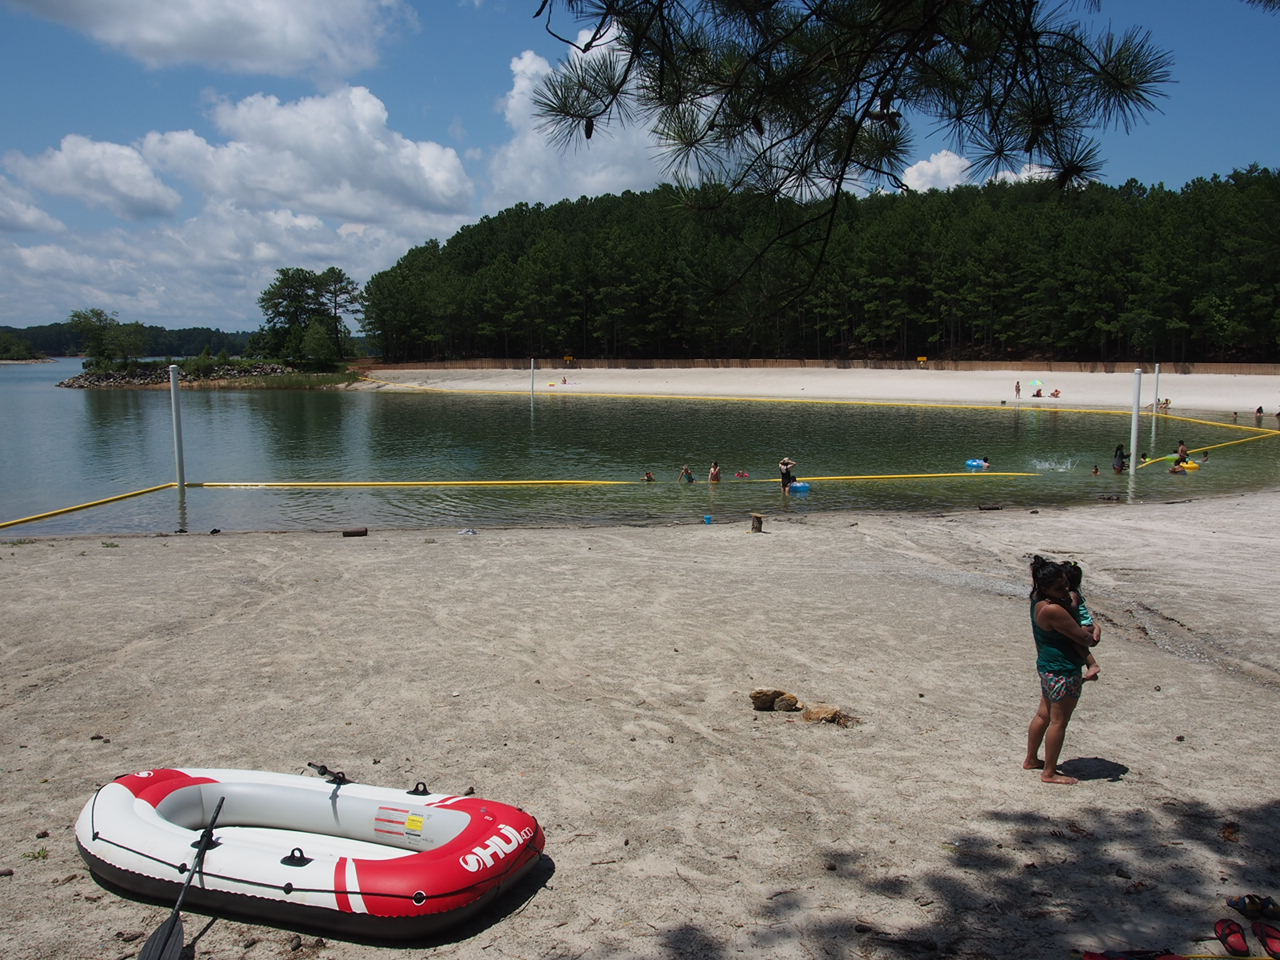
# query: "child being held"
x,y
1080,610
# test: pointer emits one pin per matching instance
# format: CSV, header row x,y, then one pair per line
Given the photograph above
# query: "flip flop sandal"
x,y
1231,935
1252,907
1269,937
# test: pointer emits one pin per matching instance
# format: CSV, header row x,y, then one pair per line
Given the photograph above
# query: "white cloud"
x,y
207,270
318,182
1028,171
335,38
942,171
333,156
18,213
100,174
529,167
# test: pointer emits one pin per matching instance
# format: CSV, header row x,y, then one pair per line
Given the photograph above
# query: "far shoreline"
x,y
1228,393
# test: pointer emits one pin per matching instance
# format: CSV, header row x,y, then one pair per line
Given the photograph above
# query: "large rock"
x,y
764,699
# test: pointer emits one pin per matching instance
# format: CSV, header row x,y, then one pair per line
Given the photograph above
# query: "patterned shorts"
x,y
1058,686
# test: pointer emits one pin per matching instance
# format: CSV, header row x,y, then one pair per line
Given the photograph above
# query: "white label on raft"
x,y
495,848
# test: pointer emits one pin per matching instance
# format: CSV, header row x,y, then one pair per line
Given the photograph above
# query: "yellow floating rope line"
x,y
310,484
1168,457
419,483
917,476
1262,431
86,506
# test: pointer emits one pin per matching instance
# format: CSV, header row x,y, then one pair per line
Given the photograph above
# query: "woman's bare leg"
x,y
1059,717
1035,736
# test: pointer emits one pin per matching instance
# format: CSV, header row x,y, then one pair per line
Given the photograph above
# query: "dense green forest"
x,y
1007,271
64,340
1003,271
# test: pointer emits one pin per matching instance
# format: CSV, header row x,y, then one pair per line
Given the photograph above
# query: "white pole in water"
x,y
1133,423
531,369
1155,407
177,426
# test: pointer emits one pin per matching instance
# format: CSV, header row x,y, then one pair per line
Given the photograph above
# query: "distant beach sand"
x,y
1239,393
599,677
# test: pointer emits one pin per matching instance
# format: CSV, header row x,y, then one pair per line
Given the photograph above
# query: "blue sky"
x,y
162,158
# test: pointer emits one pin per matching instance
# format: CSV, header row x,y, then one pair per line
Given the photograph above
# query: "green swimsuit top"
x,y
1054,652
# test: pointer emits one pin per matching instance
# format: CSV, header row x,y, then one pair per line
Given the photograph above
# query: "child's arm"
x,y
1056,617
1087,621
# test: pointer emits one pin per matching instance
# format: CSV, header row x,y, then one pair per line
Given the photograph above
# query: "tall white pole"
x,y
1155,408
177,426
1133,422
531,369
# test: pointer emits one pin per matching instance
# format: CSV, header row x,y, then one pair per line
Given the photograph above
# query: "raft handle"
x,y
296,858
333,776
419,790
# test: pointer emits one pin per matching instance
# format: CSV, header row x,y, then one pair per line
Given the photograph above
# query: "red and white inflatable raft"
x,y
327,856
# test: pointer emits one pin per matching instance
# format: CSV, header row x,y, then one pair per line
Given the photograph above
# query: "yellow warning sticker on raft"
x,y
413,822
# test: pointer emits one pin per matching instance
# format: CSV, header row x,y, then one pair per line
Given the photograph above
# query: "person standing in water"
x,y
788,478
714,475
1119,459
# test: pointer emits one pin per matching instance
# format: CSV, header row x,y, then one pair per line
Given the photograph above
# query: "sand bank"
x,y
600,679
1188,392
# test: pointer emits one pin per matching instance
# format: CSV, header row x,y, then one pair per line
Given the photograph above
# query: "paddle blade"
x,y
166,942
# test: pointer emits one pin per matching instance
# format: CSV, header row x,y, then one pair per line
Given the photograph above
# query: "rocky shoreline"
x,y
159,377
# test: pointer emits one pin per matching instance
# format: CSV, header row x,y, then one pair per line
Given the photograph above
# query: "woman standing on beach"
x,y
1061,650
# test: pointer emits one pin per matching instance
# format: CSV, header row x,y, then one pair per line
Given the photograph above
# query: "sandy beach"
x,y
1223,393
600,679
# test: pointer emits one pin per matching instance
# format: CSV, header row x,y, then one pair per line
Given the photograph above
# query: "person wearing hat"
x,y
784,467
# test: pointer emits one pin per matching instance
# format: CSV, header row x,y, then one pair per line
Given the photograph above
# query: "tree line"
x,y
95,330
1006,271
1002,271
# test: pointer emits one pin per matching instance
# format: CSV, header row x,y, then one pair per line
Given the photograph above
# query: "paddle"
x,y
166,942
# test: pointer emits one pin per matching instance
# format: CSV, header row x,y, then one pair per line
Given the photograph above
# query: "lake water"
x,y
61,447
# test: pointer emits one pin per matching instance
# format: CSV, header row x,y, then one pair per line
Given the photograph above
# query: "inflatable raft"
x,y
327,856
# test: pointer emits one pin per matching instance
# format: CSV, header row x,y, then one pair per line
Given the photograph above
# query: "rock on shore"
x,y
160,376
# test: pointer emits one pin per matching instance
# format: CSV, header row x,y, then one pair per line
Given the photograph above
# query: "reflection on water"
x,y
68,447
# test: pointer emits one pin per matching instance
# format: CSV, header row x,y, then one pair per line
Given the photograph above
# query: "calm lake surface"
x,y
61,447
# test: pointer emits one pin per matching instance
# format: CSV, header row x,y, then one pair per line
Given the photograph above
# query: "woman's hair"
x,y
1044,574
